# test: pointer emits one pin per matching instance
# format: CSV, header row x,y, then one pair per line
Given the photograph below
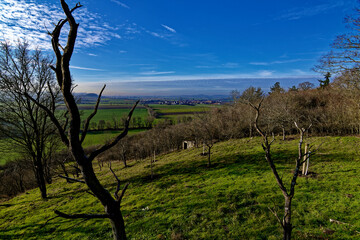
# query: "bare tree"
x,y
252,95
288,194
74,137
26,126
208,131
123,147
345,48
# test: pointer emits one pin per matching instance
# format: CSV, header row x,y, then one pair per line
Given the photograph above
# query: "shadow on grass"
x,y
36,231
237,164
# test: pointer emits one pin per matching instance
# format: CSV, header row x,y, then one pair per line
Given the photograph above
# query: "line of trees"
x,y
324,108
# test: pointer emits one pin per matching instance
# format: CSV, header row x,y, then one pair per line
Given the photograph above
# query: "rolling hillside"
x,y
186,200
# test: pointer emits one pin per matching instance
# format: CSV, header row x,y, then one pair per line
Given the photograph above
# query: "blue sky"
x,y
176,47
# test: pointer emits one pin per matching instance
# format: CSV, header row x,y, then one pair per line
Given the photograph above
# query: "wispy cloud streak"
x,y
168,28
156,73
85,68
278,62
30,20
120,4
297,13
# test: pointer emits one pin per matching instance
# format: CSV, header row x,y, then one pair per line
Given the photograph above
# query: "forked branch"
x,y
117,139
87,122
116,194
51,115
72,179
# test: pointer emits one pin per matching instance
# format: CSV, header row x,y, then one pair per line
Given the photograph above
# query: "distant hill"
x,y
90,95
86,97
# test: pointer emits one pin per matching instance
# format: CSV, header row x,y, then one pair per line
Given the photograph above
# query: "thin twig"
x,y
72,179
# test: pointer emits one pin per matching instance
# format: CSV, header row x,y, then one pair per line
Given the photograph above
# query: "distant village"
x,y
181,102
87,98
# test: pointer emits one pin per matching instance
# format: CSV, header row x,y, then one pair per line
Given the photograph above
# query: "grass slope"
x,y
186,200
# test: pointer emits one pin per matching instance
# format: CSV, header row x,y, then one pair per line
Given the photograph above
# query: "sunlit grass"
x,y
187,200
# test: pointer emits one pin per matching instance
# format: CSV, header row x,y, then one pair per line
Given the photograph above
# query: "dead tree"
x,y
288,194
74,138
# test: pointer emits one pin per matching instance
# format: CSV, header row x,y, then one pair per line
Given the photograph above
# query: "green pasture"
x,y
101,137
161,108
187,200
8,151
108,115
104,105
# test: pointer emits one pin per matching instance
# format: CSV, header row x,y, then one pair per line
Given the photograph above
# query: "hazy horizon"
x,y
209,87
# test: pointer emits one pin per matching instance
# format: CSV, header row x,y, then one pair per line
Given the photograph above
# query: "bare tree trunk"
x,y
111,206
117,223
125,164
250,130
40,176
209,157
21,179
305,156
283,133
287,219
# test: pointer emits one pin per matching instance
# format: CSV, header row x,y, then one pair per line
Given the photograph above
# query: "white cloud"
x,y
85,68
156,73
300,72
297,13
30,20
278,62
265,73
120,3
92,54
169,28
156,34
230,65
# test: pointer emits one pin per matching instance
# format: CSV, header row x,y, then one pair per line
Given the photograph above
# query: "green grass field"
x,y
161,108
101,137
92,138
110,114
8,153
178,112
186,200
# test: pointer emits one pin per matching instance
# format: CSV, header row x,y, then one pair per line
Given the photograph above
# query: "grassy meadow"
x,y
177,113
187,200
109,114
163,108
101,137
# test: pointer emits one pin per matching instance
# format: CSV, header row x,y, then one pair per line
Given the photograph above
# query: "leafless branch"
x,y
72,179
123,192
63,136
116,194
87,122
277,216
118,182
117,139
